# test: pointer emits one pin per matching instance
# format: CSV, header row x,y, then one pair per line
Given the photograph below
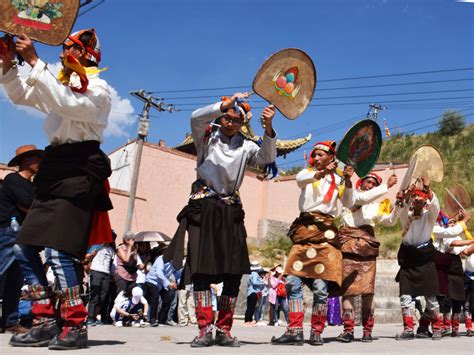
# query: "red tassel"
x,y
332,187
101,230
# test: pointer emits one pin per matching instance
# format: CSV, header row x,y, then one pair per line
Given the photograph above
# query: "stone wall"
x,y
387,304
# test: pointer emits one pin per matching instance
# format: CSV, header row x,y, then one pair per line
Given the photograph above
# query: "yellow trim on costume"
x,y
340,190
466,232
384,207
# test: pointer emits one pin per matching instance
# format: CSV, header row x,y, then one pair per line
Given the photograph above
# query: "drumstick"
x,y
454,198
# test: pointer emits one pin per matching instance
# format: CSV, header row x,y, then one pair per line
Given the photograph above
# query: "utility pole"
x,y
374,110
144,123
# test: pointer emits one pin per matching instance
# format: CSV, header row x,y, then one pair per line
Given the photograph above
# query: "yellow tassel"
x,y
466,232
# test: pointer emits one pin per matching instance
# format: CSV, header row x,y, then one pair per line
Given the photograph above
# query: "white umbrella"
x,y
152,236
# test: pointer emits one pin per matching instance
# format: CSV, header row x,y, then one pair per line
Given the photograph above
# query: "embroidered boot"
x,y
408,326
446,330
73,314
44,327
368,321
294,330
437,325
203,310
468,323
224,322
318,322
348,318
455,321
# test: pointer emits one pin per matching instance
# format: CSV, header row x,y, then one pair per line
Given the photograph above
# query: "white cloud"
x,y
121,117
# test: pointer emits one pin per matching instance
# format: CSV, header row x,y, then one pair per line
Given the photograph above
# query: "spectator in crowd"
x,y
278,285
263,300
172,312
186,310
100,269
158,286
144,254
255,285
16,196
127,263
130,308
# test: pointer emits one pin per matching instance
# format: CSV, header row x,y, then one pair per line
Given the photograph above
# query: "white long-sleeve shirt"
x,y
418,231
368,213
221,160
71,116
312,197
444,236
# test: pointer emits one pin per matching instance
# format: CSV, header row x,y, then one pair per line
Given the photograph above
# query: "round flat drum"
x,y
360,147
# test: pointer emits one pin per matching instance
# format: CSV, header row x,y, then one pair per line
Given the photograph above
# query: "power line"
x,y
337,97
399,126
327,80
200,104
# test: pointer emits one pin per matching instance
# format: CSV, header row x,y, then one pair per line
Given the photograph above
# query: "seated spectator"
x,y
130,308
158,285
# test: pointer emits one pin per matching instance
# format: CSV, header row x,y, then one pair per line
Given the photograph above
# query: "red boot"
x,y
44,327
368,321
224,322
437,325
455,321
73,315
318,322
408,325
294,330
348,318
202,301
446,330
468,323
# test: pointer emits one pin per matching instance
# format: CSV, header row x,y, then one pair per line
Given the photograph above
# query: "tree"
x,y
453,122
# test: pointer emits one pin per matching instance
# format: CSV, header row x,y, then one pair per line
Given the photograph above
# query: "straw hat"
x,y
23,151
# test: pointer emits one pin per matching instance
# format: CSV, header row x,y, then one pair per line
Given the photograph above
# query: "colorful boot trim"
x,y
368,320
407,314
348,318
225,317
318,318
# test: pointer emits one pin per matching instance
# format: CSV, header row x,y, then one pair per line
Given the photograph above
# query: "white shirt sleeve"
x,y
44,92
265,154
200,119
447,232
305,177
366,197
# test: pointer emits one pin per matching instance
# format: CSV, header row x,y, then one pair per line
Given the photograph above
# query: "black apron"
x,y
69,187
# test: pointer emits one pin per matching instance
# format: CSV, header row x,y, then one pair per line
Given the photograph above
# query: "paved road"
x,y
175,340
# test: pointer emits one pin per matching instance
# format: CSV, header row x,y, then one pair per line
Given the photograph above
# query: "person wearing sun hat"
x,y
71,184
360,249
315,258
16,196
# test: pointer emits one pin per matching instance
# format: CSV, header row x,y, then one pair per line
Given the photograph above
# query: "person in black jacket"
x,y
16,196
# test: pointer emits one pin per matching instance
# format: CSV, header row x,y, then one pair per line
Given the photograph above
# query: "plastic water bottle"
x,y
14,225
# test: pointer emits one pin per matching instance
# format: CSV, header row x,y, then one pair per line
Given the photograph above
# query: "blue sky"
x,y
175,45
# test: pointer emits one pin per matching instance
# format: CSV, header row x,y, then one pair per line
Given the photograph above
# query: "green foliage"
x,y
293,170
452,123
